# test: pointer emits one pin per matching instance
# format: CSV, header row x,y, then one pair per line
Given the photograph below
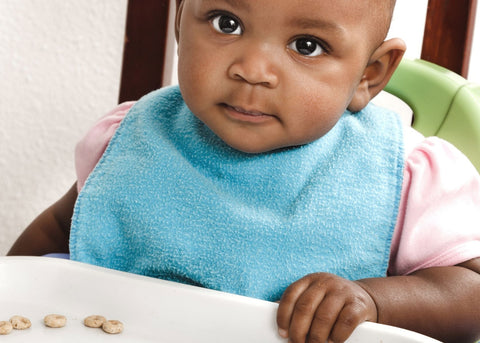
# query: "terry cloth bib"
x,y
169,199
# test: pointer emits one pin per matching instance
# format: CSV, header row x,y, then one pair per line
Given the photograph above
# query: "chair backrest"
x,y
145,47
444,104
448,34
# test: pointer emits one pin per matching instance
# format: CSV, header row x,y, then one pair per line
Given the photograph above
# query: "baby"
x,y
267,173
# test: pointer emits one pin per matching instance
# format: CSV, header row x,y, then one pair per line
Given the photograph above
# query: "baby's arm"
x,y
49,232
440,302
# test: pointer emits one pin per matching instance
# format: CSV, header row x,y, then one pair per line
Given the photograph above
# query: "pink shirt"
x,y
439,216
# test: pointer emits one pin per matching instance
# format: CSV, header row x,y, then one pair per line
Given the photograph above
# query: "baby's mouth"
x,y
241,110
250,113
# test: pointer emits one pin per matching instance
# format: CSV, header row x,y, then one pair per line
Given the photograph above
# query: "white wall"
x,y
60,63
408,23
59,71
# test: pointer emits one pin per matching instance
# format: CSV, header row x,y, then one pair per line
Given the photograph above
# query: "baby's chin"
x,y
249,147
255,149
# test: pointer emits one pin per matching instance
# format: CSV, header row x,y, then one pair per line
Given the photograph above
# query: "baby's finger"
x,y
287,305
348,319
325,318
302,318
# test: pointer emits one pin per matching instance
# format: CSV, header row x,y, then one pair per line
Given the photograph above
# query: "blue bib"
x,y
169,199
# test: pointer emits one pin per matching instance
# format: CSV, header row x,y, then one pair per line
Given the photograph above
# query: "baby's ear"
x,y
178,15
378,72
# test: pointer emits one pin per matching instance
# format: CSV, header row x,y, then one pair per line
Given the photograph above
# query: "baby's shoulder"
x,y
433,152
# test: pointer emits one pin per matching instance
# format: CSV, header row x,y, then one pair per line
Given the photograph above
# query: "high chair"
x,y
152,310
444,104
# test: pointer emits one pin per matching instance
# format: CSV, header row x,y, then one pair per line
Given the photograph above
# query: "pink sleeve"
x,y
92,146
439,217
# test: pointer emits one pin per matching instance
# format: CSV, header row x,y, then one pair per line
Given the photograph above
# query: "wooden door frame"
x,y
448,34
144,49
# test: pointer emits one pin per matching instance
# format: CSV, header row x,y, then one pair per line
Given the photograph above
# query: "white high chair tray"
x,y
151,310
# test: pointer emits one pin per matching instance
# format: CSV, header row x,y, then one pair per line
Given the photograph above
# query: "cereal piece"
x,y
112,326
94,321
20,323
55,320
5,327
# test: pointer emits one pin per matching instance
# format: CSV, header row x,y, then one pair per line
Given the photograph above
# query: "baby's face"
x,y
267,74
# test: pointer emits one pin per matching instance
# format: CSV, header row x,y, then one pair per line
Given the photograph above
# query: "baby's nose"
x,y
256,66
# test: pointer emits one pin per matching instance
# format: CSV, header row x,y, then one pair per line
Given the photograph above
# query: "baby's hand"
x,y
321,307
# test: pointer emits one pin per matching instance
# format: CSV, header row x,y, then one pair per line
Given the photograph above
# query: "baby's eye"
x,y
307,47
224,23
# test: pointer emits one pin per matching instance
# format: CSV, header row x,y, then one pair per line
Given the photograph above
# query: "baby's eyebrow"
x,y
238,4
313,23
